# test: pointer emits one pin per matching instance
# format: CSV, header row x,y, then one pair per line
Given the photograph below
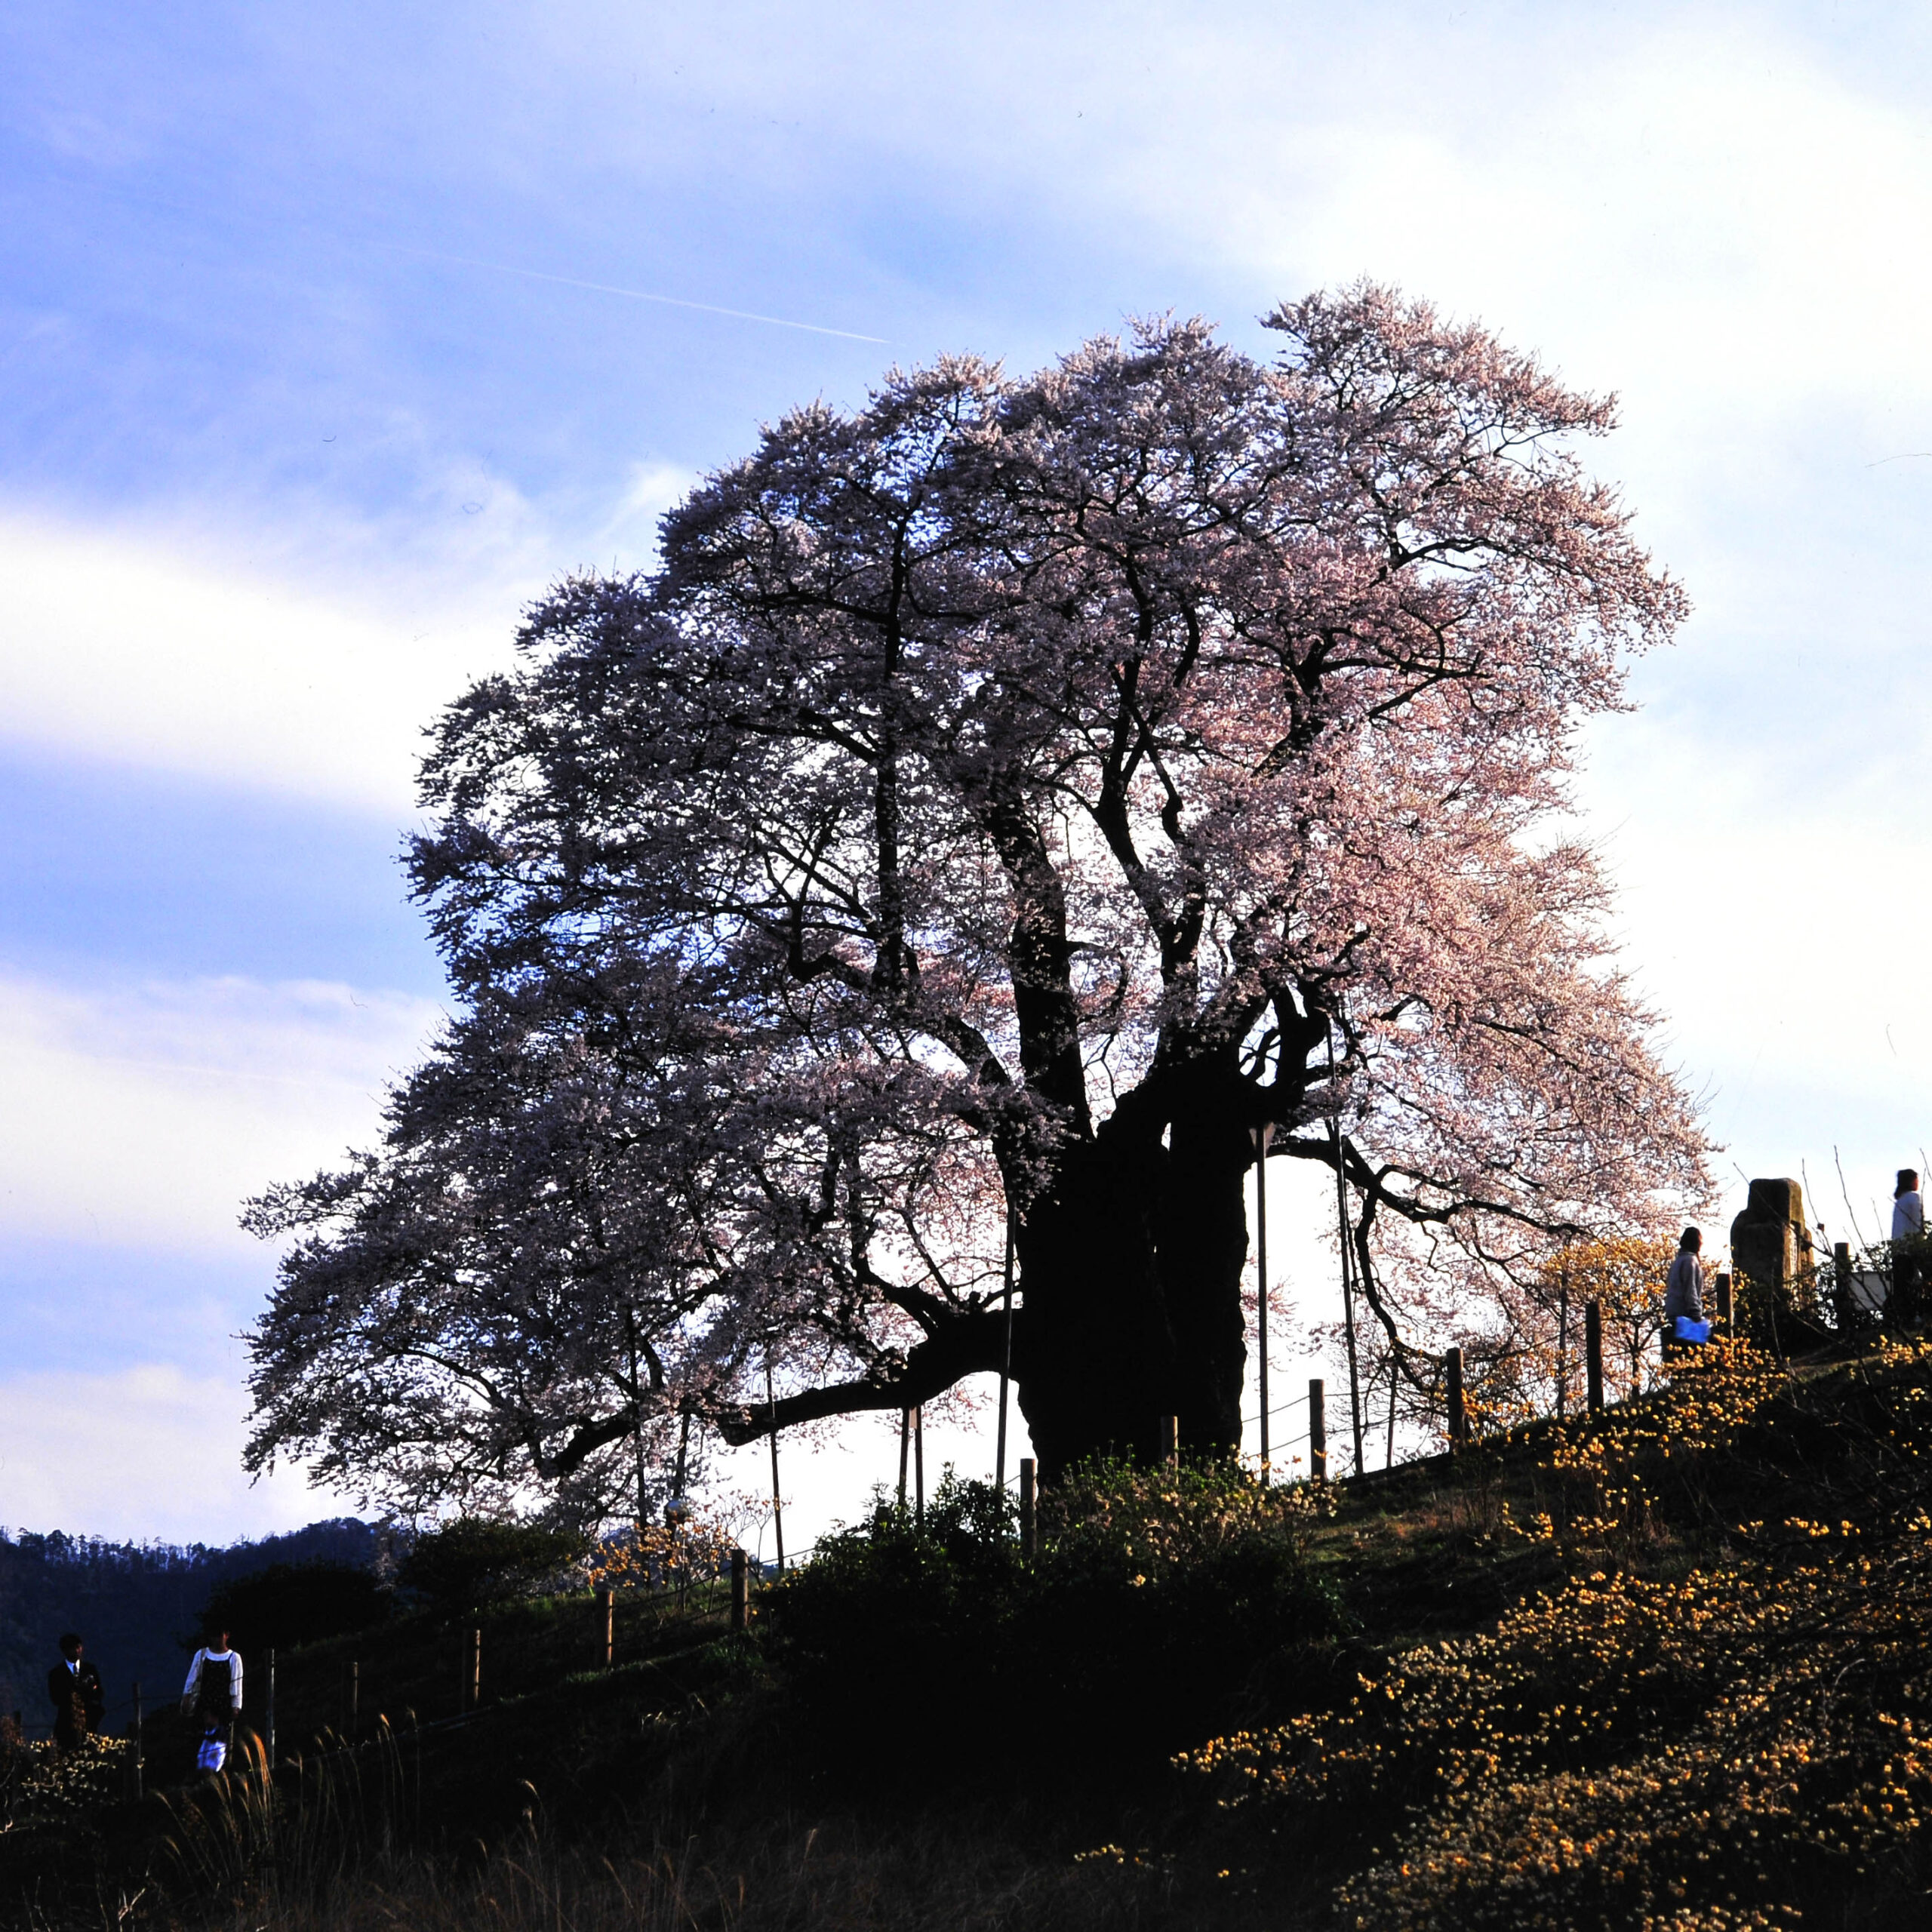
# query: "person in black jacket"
x,y
73,1688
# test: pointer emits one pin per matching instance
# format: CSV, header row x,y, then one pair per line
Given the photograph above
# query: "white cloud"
x,y
1700,206
632,527
1654,183
1782,933
1718,239
146,1113
116,647
148,647
150,1452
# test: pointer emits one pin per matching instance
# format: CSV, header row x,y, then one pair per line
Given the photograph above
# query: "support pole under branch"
x,y
1593,1354
1262,1136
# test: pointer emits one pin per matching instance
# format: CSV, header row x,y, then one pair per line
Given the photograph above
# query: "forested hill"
x,y
135,1604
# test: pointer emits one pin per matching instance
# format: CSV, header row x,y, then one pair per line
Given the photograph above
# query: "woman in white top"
x,y
1908,1246
213,1696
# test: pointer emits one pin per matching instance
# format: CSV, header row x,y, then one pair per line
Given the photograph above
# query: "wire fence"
x,y
334,1693
430,1674
1280,1409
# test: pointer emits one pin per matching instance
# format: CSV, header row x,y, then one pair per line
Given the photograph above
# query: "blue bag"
x,y
1688,1330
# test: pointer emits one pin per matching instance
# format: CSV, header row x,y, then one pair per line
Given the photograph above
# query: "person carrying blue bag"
x,y
1683,1323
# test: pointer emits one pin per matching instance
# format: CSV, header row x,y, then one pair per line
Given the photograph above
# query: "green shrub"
x,y
289,1604
1159,1604
471,1562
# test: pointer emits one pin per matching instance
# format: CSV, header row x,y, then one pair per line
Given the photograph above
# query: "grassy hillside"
x,y
1668,1668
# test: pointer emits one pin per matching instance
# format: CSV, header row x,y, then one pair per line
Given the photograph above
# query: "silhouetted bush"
x,y
1159,1605
289,1604
471,1562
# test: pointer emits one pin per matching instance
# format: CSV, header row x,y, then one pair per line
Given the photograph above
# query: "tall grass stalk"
x,y
280,1834
924,1879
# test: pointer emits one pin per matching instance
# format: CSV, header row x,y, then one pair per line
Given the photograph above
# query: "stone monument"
x,y
1771,1247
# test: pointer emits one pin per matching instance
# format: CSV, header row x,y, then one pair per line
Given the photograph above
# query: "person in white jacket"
x,y
213,1696
1908,1250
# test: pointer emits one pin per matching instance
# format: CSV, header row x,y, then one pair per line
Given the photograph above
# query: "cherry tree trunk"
x,y
1131,1269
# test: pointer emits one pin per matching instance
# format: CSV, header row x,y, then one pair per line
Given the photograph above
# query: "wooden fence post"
x,y
354,1693
1459,1420
1845,1309
1593,1354
1170,1441
606,1602
137,1741
268,1713
472,1675
1029,1521
1317,1430
741,1590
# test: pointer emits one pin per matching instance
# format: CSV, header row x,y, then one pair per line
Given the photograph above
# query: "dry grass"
x,y
794,1878
332,1850
794,1883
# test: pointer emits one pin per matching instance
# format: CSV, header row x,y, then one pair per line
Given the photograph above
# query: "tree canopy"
x,y
1003,800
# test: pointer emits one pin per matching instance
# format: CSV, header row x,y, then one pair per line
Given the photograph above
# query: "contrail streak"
x,y
629,294
342,240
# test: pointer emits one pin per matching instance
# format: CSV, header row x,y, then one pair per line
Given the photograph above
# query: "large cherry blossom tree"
x,y
1003,803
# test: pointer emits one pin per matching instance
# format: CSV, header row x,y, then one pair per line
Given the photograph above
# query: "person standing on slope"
x,y
212,1695
74,1688
1908,1245
1683,1323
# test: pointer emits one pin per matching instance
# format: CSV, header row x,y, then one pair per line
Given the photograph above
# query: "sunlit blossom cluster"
x,y
43,1787
696,1541
1696,1749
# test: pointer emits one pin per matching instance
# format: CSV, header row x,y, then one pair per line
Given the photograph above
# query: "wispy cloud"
x,y
145,1452
167,660
146,1112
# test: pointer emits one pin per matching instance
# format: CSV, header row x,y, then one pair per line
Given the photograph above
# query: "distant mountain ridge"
x,y
134,1604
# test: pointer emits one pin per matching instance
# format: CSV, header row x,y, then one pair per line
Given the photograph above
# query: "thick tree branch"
x,y
966,1344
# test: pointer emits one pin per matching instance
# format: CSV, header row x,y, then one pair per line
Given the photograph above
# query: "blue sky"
x,y
329,336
